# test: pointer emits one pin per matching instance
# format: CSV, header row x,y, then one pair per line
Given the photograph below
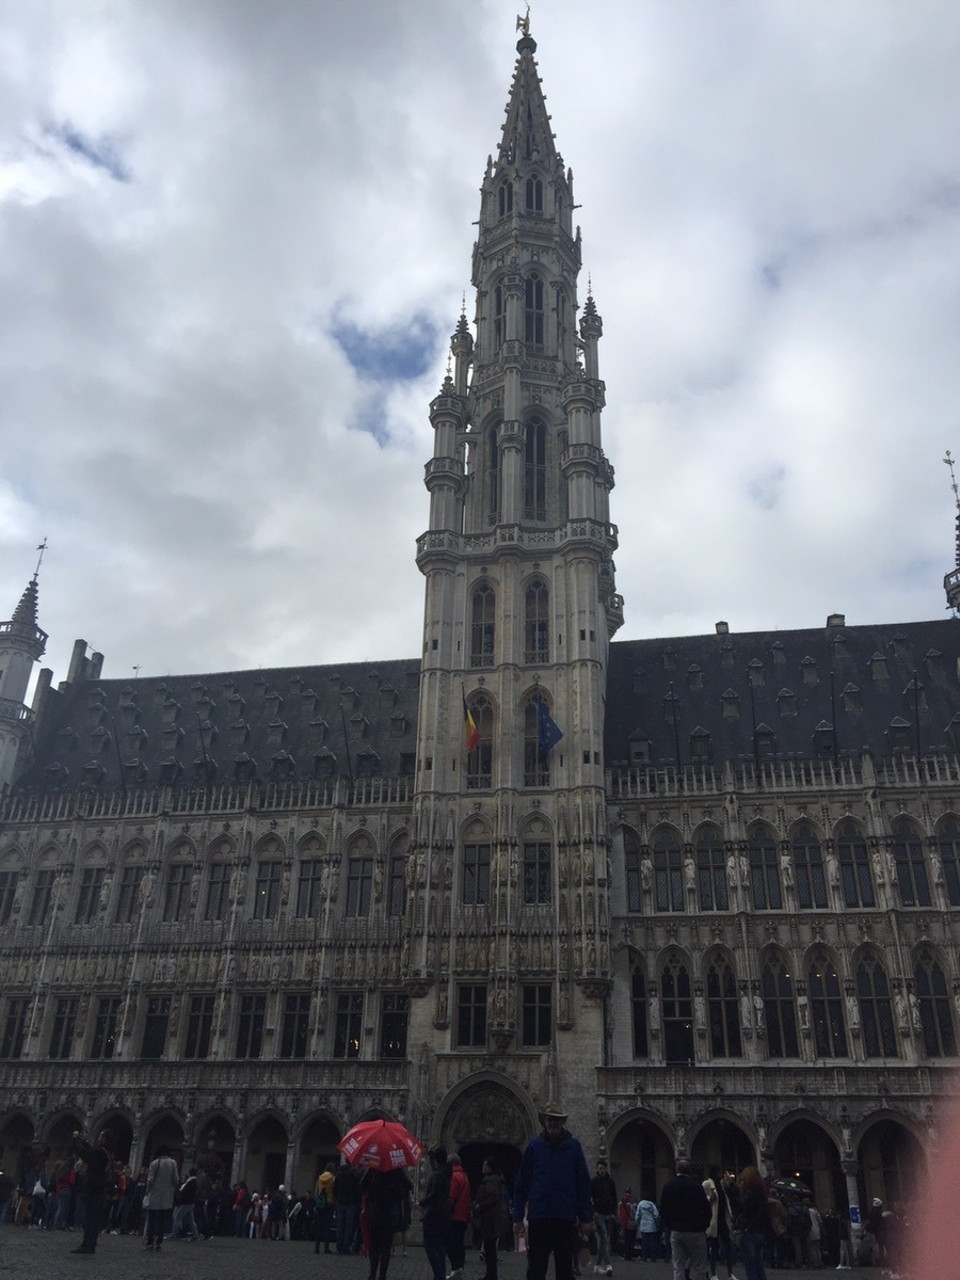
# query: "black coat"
x,y
684,1205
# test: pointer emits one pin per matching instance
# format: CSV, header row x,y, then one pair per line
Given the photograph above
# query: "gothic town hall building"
x,y
241,911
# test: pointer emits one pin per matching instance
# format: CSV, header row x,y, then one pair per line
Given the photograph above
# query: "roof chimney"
x,y
723,628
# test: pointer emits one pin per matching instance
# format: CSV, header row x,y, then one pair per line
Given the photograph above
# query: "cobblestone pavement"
x,y
40,1255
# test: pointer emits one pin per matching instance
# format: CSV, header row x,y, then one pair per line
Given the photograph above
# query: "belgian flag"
x,y
471,732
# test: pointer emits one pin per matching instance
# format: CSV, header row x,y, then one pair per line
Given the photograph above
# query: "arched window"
x,y
667,870
779,1009
948,838
535,471
711,870
534,195
505,198
536,761
911,866
676,1003
856,882
722,1010
631,867
876,1009
498,330
533,312
480,759
536,622
482,628
493,474
638,1005
936,1020
808,867
764,870
826,1008
476,873
536,872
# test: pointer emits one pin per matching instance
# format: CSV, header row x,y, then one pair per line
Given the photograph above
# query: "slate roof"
x,y
300,723
798,687
699,696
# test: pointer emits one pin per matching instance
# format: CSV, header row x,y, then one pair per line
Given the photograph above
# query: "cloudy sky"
x,y
234,236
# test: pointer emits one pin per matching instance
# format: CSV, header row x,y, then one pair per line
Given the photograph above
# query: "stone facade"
x,y
716,914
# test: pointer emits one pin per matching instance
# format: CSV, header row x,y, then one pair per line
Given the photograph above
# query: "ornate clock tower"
x,y
509,946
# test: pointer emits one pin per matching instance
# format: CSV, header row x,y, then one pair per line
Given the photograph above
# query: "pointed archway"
x,y
487,1120
803,1149
890,1159
641,1157
722,1144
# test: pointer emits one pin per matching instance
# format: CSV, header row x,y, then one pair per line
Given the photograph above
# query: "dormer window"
x,y
639,749
730,705
878,667
808,671
701,748
824,740
787,702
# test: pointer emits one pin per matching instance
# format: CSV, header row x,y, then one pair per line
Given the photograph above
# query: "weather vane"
x,y
43,546
948,459
523,22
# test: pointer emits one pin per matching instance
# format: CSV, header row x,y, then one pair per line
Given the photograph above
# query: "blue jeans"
x,y
601,1224
346,1226
751,1251
436,1251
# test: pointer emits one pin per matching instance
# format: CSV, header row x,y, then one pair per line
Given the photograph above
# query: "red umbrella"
x,y
381,1144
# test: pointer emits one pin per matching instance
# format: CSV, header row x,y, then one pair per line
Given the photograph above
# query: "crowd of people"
x,y
700,1225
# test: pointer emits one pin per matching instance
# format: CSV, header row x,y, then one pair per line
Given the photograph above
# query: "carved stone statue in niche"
x,y
646,873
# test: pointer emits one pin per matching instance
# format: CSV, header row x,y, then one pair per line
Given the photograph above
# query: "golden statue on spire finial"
x,y
523,22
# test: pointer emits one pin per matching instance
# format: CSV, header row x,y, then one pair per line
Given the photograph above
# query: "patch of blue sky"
x,y
395,354
99,152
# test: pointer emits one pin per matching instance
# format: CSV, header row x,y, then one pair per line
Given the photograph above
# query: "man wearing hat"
x,y
553,1191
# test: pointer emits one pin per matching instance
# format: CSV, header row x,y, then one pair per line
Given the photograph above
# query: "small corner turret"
x,y
22,643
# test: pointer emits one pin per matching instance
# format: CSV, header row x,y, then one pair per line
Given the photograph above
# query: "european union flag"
x,y
549,732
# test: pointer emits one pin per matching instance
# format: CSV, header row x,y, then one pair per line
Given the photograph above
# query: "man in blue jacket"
x,y
553,1191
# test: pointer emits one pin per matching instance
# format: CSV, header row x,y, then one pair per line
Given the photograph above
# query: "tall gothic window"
x,y
42,899
911,866
359,886
631,860
536,646
808,867
779,1009
471,1015
638,1008
498,316
826,1008
536,762
723,1014
676,1002
533,193
535,471
856,882
266,890
493,474
218,891
482,626
397,885
88,899
533,311
128,894
667,870
309,889
480,759
505,198
765,888
536,1014
176,892
876,1009
394,1012
936,1020
348,1025
711,870
476,875
948,838
536,872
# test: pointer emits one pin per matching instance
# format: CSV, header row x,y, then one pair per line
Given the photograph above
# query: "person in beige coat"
x,y
163,1179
